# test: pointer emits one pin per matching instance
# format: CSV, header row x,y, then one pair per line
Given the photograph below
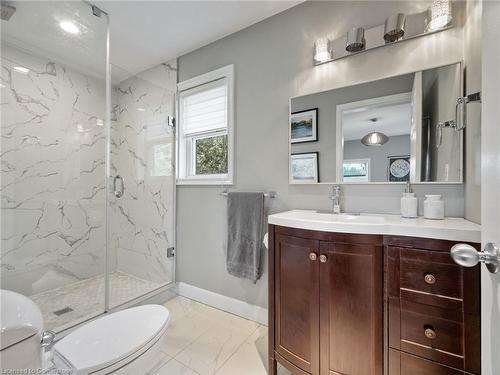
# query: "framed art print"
x,y
304,126
304,168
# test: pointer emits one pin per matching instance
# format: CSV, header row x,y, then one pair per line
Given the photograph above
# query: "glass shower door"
x,y
53,157
142,205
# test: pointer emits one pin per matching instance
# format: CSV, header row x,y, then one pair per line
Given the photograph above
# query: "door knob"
x,y
323,258
467,256
313,256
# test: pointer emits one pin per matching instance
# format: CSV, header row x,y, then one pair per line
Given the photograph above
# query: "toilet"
x,y
126,342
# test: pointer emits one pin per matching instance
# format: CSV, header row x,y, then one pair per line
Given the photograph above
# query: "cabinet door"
x,y
297,301
351,309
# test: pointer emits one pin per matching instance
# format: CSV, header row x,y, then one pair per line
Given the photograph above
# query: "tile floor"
x,y
202,340
86,298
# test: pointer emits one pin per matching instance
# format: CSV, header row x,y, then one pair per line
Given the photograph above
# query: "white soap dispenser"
x,y
409,203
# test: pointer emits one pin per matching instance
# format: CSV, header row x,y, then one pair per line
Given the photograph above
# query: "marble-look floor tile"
x,y
209,352
160,361
248,360
173,367
183,331
181,307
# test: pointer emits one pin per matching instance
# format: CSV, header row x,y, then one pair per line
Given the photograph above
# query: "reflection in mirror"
x,y
392,130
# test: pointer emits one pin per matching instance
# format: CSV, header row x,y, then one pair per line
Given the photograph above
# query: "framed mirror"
x,y
392,130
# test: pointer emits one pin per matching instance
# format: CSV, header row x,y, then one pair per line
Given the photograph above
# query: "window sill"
x,y
201,182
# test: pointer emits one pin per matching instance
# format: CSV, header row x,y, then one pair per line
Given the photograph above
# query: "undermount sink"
x,y
329,217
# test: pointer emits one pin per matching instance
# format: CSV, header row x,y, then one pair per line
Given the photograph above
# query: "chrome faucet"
x,y
335,197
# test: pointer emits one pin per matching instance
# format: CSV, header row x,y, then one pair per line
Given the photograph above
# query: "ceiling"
x,y
142,33
392,120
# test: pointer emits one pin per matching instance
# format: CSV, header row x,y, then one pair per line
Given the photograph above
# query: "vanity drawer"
x,y
431,273
406,364
433,333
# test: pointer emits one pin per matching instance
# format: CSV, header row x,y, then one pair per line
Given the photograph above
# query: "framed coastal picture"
x,y
304,168
304,126
398,168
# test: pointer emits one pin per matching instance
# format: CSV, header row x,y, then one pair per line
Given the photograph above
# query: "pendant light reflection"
x,y
322,50
439,15
374,139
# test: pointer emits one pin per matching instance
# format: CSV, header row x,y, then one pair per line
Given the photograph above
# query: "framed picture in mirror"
x,y
398,168
304,168
304,126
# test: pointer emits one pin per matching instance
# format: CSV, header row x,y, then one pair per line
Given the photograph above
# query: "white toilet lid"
x,y
112,338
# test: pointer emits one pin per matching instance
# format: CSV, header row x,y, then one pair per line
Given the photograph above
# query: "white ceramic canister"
x,y
433,207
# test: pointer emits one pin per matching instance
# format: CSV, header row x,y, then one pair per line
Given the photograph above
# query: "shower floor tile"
x,y
86,298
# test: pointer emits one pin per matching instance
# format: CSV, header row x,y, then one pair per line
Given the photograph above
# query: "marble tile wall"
x,y
142,152
52,173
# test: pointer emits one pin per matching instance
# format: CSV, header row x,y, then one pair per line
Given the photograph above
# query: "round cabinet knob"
x,y
323,258
430,279
313,256
430,333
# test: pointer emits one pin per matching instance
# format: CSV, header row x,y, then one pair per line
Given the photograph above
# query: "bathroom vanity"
x,y
363,294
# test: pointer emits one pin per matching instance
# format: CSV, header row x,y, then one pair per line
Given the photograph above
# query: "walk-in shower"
x,y
68,127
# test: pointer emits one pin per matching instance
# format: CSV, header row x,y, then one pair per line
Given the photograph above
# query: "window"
x,y
205,129
356,170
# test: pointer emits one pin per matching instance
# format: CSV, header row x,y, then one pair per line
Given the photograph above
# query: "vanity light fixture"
x,y
374,139
394,27
322,50
355,40
439,15
397,28
69,27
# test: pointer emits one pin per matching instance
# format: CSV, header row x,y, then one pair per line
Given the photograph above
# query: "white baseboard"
x,y
232,305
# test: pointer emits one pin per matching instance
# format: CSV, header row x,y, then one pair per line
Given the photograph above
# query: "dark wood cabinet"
x,y
351,309
326,302
433,309
351,304
297,301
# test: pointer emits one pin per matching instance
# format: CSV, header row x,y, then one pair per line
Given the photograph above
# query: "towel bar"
x,y
271,194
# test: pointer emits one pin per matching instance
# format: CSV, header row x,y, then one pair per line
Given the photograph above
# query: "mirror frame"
x,y
462,139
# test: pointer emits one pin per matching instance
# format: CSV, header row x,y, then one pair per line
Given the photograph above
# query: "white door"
x,y
490,183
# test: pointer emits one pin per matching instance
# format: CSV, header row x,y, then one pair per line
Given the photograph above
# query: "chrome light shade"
x,y
374,139
355,39
322,50
439,15
394,28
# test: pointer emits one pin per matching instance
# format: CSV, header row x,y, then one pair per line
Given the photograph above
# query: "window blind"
x,y
204,108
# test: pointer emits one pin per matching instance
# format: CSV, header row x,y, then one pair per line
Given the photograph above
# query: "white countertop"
x,y
451,228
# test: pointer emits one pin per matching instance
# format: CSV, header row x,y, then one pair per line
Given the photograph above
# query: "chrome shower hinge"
x,y
170,252
171,121
96,11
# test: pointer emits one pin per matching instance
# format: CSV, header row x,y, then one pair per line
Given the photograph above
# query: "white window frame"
x,y
184,154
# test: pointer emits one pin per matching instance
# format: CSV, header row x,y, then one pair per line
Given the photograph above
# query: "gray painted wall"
x,y
326,102
273,62
396,146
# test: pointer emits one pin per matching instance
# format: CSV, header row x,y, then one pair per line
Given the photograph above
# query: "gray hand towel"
x,y
245,226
